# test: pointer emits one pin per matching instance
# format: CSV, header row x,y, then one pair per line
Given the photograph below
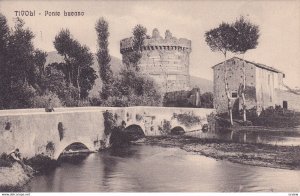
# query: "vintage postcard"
x,y
150,96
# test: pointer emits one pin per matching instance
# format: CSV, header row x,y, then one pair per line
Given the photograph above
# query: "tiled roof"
x,y
256,64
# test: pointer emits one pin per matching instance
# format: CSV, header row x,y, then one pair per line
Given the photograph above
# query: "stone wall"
x,y
166,60
235,79
260,85
291,98
266,88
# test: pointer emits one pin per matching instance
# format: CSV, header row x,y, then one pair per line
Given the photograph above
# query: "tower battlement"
x,y
166,59
156,42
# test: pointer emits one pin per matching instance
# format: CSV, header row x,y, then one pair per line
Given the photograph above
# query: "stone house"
x,y
262,85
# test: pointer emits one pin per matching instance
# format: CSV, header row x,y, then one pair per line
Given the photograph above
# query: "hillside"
x,y
204,84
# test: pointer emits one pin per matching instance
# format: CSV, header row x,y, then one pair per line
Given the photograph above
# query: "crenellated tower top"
x,y
156,42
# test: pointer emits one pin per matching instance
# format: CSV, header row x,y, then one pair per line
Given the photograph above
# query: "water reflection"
x,y
153,168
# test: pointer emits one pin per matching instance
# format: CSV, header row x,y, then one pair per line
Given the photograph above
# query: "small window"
x,y
234,94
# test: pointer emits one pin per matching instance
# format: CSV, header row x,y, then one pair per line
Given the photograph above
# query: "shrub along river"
x,y
151,168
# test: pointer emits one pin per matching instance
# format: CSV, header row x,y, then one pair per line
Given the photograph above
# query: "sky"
x,y
278,21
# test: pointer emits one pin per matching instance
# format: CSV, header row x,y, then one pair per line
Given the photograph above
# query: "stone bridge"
x,y
35,131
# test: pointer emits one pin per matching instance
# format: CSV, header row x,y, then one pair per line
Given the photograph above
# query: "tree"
x,y
104,58
65,46
18,65
220,39
21,54
78,63
246,38
39,71
4,36
132,59
132,88
54,80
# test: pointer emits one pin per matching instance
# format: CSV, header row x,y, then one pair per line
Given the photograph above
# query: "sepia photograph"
x,y
161,96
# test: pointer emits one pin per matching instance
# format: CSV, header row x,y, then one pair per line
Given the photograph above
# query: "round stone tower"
x,y
166,60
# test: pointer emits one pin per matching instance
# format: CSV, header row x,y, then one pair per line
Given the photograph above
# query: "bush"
x,y
116,101
41,163
109,122
83,103
166,127
95,101
276,117
43,101
69,96
5,161
207,100
133,88
21,96
188,119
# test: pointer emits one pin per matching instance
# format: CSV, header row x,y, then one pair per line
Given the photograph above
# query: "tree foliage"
x,y
220,38
104,58
246,36
19,65
139,35
207,100
131,59
78,63
4,81
133,88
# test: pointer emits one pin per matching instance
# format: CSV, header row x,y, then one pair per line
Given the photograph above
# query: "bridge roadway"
x,y
35,131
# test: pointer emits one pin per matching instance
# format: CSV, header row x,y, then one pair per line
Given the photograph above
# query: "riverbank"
x,y
264,155
13,178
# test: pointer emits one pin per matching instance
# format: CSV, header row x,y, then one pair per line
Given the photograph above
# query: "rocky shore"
x,y
264,155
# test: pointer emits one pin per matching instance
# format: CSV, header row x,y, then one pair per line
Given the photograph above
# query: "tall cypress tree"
x,y
104,58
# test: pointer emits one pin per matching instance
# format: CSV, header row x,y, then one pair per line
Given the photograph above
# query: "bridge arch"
x,y
132,132
177,130
65,146
135,130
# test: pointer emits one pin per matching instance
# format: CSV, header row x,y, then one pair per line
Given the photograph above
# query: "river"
x,y
146,168
276,136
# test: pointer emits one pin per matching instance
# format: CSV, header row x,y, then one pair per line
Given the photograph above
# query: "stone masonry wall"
x,y
166,60
235,79
261,84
